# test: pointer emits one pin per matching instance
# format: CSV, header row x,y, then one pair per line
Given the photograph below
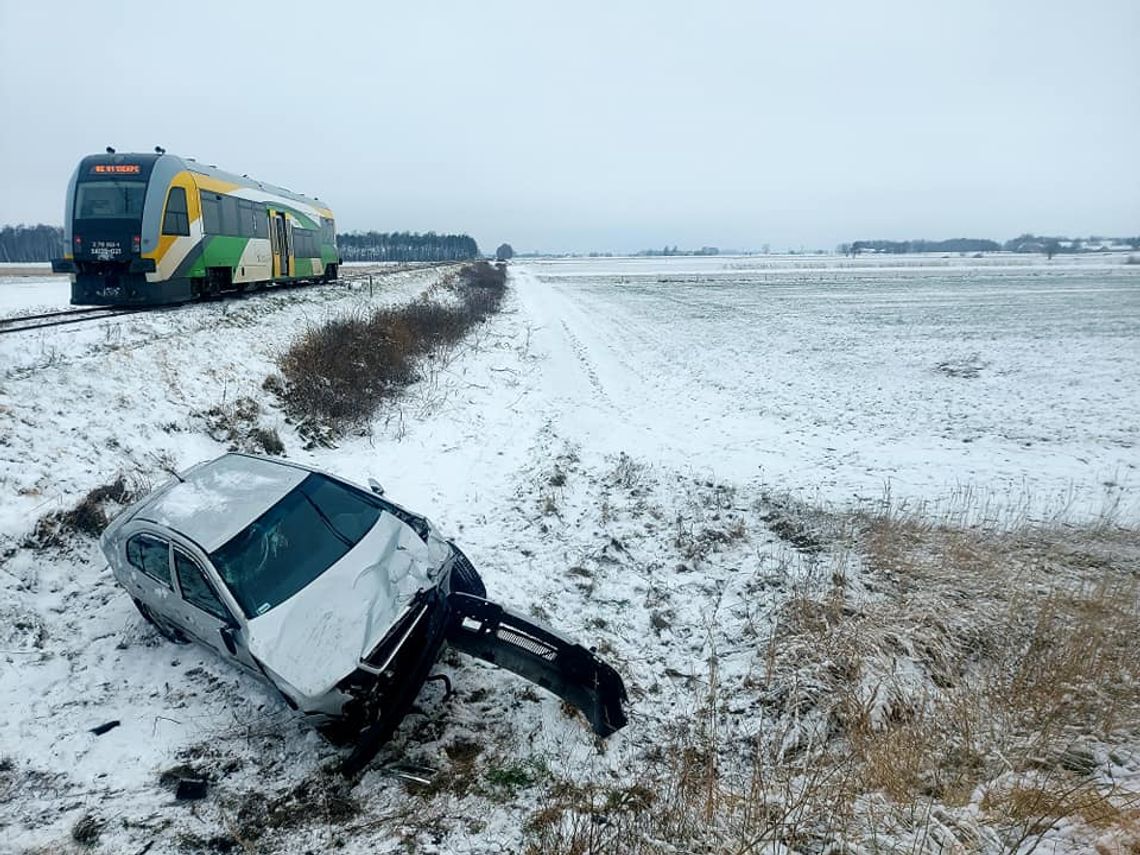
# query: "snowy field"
x,y
929,376
26,295
577,447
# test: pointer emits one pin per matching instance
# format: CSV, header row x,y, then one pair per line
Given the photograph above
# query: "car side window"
x,y
195,589
150,555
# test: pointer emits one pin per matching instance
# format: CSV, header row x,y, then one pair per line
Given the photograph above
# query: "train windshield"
x,y
110,200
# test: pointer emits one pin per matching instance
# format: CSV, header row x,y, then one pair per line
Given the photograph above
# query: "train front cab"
x,y
112,230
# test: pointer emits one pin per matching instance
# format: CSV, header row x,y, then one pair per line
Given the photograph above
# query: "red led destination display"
x,y
115,169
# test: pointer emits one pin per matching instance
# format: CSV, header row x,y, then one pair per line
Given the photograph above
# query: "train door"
x,y
274,247
280,234
287,245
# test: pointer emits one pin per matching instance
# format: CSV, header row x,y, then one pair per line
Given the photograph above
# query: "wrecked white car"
x,y
339,598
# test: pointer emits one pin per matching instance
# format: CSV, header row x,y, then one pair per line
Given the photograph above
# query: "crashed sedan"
x,y
337,597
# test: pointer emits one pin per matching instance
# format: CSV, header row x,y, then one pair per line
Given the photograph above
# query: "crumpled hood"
x,y
317,636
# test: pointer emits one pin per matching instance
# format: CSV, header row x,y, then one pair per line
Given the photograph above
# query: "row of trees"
x,y
1021,243
672,250
903,246
1059,243
406,246
43,243
31,243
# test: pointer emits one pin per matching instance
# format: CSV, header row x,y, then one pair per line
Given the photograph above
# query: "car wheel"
x,y
167,632
340,733
465,578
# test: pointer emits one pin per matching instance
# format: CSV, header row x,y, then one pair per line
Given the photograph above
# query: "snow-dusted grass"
x,y
687,474
916,687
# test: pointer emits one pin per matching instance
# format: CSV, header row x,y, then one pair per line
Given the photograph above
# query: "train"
x,y
157,229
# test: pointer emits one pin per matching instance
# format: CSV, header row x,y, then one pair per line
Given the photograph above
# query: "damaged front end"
x,y
387,681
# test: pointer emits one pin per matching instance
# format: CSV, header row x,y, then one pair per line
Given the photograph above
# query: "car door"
x,y
203,613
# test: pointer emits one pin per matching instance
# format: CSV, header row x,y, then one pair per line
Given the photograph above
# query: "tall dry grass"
x,y
931,688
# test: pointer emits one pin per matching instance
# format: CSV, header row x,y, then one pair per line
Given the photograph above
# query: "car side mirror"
x,y
228,639
375,485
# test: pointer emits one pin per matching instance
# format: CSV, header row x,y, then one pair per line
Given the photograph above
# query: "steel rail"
x,y
58,319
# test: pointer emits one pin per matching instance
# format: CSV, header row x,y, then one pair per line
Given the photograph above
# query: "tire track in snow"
x,y
587,364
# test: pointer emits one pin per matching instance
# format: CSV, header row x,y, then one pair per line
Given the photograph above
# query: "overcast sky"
x,y
602,126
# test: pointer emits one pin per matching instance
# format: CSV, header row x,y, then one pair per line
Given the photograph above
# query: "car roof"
x,y
213,501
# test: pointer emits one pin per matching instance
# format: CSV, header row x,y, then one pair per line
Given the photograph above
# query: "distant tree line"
x,y
1051,244
43,243
31,243
1022,243
672,250
897,247
406,246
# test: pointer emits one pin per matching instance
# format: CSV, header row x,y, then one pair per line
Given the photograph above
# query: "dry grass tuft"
x,y
88,518
238,425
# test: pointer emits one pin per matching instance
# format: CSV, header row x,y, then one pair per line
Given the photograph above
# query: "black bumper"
x,y
388,679
487,631
126,288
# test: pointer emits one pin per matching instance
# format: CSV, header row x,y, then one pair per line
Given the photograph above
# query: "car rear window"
x,y
151,555
294,542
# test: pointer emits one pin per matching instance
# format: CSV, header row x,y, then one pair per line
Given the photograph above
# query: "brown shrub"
x,y
340,372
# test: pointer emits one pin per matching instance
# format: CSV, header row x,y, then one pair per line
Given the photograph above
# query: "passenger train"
x,y
154,229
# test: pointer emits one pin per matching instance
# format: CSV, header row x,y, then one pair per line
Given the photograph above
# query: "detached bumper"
x,y
390,677
487,631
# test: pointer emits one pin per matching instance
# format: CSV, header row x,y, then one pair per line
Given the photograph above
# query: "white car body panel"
x,y
317,636
216,500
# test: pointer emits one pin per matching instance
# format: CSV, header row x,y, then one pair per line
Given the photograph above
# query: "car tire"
x,y
465,579
167,632
340,733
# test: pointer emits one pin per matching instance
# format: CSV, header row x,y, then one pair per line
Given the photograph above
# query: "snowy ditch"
x,y
747,485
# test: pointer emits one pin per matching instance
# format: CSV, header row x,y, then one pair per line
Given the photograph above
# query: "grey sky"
x,y
609,126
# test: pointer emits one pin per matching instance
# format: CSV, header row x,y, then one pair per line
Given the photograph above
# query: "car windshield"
x,y
294,542
110,200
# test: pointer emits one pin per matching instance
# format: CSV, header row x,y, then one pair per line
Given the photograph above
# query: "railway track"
x,y
25,323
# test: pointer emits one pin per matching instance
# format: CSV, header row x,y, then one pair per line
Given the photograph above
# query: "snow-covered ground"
x,y
25,295
579,447
1007,375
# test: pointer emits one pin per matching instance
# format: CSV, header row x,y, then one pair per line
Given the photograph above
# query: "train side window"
x,y
244,223
212,213
177,218
230,224
260,221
